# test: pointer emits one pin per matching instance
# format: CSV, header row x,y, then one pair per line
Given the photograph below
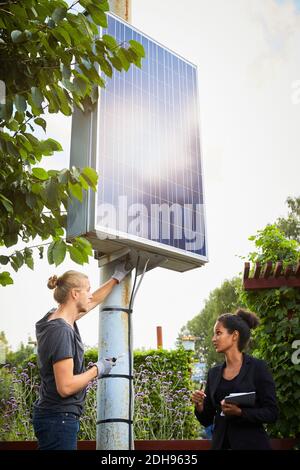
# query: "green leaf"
x,y
90,175
6,203
20,103
85,245
25,143
80,86
5,279
63,98
41,252
109,41
28,259
49,146
50,253
17,261
11,148
10,239
116,63
75,255
137,47
123,58
59,14
6,110
75,190
54,145
13,125
63,176
94,94
41,122
83,183
66,71
37,96
40,173
59,252
18,36
106,67
97,15
62,36
31,200
4,259
51,193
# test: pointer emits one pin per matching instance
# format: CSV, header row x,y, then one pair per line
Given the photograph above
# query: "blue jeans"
x,y
55,431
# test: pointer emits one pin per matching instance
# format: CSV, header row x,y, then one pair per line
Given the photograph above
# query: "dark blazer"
x,y
245,431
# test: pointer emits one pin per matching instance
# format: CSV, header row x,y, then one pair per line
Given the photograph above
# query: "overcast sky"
x,y
247,53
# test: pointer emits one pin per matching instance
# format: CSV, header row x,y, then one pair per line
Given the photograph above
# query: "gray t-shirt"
x,y
57,340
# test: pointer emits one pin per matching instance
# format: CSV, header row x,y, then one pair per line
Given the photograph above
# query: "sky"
x,y
248,60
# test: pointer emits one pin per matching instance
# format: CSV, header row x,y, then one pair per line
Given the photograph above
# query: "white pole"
x,y
115,392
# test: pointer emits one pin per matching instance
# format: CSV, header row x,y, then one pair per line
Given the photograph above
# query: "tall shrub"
x,y
279,312
162,398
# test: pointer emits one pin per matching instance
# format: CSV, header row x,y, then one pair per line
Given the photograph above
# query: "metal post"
x,y
115,393
121,8
159,337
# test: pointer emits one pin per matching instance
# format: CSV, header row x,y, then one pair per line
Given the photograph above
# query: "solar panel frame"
x,y
86,222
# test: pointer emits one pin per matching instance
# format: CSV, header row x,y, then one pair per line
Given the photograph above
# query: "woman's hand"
x,y
198,399
230,409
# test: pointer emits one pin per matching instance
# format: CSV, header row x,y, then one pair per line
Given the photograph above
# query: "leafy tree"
x,y
51,58
272,245
4,347
23,353
290,226
4,340
18,357
222,299
279,312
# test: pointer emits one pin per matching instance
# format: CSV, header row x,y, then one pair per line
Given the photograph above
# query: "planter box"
x,y
200,444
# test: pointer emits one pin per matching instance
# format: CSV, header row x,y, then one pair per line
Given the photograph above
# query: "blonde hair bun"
x,y
52,282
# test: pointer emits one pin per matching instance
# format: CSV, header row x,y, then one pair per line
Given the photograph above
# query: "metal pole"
x,y
159,337
115,392
121,8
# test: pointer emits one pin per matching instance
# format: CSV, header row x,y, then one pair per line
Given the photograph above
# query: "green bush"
x,y
162,387
279,312
163,409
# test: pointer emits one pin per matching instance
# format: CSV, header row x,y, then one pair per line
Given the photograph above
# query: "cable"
x,y
132,297
130,358
140,281
134,282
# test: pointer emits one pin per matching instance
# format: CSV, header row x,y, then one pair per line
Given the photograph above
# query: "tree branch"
x,y
29,119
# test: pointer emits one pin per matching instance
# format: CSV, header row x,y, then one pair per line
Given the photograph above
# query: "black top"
x,y
225,387
245,431
57,340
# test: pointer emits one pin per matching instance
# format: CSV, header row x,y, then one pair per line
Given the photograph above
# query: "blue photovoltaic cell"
x,y
149,145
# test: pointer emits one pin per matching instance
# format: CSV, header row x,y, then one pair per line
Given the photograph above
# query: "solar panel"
x,y
144,141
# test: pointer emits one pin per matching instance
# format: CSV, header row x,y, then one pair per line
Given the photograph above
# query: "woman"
x,y
61,359
235,426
